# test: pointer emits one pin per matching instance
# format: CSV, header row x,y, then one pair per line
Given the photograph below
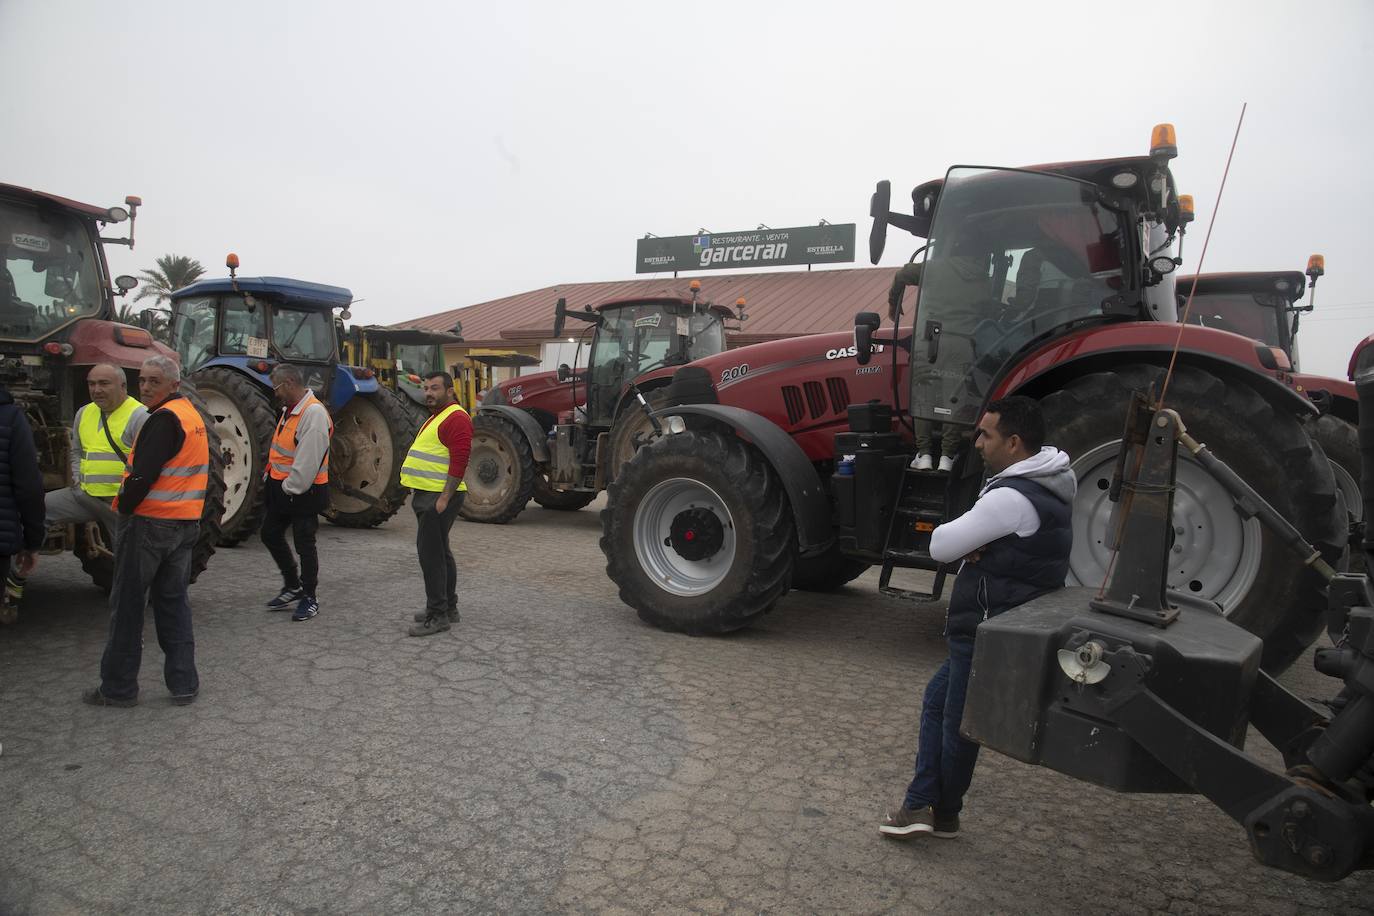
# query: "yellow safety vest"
x,y
101,467
426,464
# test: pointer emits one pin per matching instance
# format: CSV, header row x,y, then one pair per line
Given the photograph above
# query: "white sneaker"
x,y
922,463
946,463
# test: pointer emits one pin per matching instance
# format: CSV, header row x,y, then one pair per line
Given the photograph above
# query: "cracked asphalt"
x,y
550,754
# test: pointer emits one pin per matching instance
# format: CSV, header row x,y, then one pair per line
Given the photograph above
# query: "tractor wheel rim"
x,y
1214,552
360,455
664,504
495,470
236,446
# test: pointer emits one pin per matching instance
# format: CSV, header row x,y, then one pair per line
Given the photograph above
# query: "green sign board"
x,y
829,244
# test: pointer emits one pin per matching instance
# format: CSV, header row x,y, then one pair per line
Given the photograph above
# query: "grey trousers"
x,y
72,505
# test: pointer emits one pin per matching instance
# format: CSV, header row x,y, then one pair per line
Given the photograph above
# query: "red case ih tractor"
x,y
56,306
1264,305
782,466
559,437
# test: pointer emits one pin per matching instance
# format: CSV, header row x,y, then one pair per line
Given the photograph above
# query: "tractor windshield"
x,y
50,272
303,334
1255,315
419,359
1013,256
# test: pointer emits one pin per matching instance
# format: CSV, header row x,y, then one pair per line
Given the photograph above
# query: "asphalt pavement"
x,y
550,754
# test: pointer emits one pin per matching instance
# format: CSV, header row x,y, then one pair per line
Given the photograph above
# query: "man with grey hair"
x,y
103,433
297,479
160,504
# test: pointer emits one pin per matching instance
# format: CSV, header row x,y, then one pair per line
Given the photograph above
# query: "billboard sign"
x,y
828,244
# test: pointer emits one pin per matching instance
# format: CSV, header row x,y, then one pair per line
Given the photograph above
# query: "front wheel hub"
x,y
696,534
488,470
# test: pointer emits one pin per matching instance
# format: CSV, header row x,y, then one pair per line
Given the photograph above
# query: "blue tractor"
x,y
230,333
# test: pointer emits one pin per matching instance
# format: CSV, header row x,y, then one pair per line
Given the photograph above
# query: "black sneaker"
x,y
95,698
430,626
451,613
306,608
288,598
183,699
946,826
904,823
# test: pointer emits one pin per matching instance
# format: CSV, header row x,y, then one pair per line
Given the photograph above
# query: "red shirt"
x,y
456,434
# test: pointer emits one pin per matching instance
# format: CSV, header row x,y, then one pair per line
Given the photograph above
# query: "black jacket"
x,y
1014,570
21,481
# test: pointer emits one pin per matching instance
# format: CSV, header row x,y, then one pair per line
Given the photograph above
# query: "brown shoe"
x,y
95,698
431,625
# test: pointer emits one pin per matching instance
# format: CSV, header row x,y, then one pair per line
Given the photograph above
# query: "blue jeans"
x,y
944,758
152,560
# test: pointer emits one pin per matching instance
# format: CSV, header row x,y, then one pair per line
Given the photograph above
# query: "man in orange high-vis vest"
x,y
297,490
160,504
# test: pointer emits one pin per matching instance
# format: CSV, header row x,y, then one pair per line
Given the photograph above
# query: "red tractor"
x,y
560,436
56,311
787,464
1265,305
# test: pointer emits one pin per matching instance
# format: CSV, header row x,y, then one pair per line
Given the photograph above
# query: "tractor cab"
x,y
1262,305
634,337
1017,256
252,324
400,357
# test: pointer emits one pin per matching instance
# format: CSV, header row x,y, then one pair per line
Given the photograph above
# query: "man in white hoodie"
x,y
1015,545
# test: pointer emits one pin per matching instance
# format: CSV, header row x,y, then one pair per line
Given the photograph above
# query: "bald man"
x,y
102,435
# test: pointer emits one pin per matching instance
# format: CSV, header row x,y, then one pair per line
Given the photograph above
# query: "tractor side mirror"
x,y
865,323
877,208
560,317
564,371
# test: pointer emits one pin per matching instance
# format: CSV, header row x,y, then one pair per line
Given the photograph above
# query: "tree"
x,y
173,271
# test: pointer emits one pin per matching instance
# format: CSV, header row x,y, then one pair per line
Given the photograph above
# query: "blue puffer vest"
x,y
1013,569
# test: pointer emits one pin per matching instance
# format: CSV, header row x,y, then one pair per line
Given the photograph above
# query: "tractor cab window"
x,y
1255,315
239,324
193,332
706,335
49,271
302,334
419,359
1013,257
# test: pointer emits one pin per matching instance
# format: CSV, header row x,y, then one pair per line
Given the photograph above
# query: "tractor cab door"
x,y
630,341
1015,257
305,338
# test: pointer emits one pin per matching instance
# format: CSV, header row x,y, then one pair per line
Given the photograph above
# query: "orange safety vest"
x,y
179,491
283,451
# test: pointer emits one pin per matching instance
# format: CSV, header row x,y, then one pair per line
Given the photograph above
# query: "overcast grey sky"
x,y
433,155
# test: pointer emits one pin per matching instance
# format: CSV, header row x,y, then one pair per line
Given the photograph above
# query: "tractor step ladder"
x,y
919,508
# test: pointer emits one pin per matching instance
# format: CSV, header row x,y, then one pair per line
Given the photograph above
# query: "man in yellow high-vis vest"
x,y
433,470
103,433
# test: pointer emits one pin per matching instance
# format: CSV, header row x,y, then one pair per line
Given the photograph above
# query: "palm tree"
x,y
173,271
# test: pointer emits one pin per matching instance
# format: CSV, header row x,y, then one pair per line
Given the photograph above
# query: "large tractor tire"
x,y
698,534
827,572
1216,553
559,500
372,434
633,430
501,471
1340,440
98,561
242,416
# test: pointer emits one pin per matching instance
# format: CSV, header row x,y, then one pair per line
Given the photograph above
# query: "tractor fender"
x,y
805,490
346,385
1047,368
538,438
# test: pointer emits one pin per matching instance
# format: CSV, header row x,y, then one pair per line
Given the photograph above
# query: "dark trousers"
x,y
152,561
944,758
431,545
303,527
